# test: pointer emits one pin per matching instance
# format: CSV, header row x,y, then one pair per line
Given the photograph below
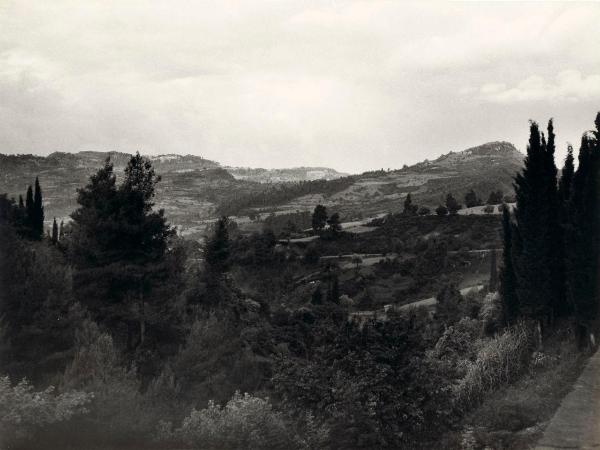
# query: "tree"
x,y
424,211
537,262
37,223
582,237
471,199
334,224
508,283
441,210
61,230
317,296
409,208
493,282
119,248
29,212
452,205
54,237
319,218
495,198
333,293
217,252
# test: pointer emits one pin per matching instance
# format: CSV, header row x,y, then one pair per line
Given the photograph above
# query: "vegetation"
x,y
117,334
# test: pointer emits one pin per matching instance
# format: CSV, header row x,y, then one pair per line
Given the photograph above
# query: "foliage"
x,y
452,205
319,218
24,412
441,210
245,422
500,361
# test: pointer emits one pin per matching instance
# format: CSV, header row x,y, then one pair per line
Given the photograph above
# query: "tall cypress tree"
x,y
536,263
54,237
29,212
38,211
508,282
582,240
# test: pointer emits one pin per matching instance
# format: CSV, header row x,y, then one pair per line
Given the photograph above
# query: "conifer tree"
x,y
54,237
61,230
217,252
581,231
21,204
508,293
409,208
29,212
493,282
38,212
534,262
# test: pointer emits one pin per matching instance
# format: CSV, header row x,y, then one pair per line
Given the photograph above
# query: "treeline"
x,y
267,195
551,241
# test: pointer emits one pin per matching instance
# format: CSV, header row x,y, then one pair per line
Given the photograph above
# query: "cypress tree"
x,y
54,237
493,282
29,212
21,204
61,230
38,208
536,263
582,240
508,282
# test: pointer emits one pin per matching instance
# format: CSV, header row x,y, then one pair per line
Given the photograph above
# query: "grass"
x,y
514,416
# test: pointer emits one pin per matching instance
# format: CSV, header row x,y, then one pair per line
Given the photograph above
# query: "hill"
x,y
485,168
195,190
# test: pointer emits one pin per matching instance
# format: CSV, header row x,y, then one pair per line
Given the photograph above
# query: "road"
x,y
576,423
432,301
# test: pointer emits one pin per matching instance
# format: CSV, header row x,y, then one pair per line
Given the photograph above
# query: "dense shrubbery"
x,y
25,412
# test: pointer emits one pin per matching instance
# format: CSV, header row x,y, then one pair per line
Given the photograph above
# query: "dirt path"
x,y
576,424
432,300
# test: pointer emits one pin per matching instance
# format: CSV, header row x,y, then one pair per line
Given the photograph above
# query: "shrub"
x,y
489,209
117,411
441,210
24,412
424,211
245,422
500,361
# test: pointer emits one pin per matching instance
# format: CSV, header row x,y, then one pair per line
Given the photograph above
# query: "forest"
x,y
115,332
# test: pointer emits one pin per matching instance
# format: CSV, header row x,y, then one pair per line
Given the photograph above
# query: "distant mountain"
x,y
195,190
485,168
285,175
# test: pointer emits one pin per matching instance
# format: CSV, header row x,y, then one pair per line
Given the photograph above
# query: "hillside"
x,y
195,190
294,174
485,168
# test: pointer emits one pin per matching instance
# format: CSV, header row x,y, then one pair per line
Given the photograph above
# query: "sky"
x,y
353,85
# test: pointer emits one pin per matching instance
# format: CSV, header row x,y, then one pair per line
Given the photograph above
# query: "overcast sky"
x,y
348,84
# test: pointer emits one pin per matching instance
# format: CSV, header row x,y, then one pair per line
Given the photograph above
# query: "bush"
x,y
500,361
489,209
117,411
245,422
441,210
424,211
24,412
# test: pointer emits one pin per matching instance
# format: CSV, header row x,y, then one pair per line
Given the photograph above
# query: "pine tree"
x,y
119,249
54,237
508,286
38,212
566,179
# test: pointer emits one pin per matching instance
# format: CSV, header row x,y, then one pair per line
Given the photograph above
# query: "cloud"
x,y
568,85
286,82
